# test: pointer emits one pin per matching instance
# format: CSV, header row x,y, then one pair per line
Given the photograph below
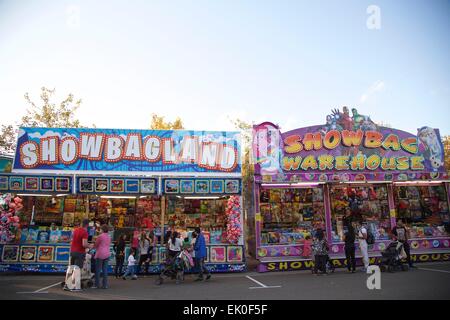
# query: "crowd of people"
x,y
353,231
317,248
143,248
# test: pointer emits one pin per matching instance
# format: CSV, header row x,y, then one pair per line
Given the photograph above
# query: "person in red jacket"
x,y
79,244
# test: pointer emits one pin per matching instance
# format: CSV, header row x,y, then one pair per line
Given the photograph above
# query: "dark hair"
x,y
174,237
197,230
85,223
319,234
105,228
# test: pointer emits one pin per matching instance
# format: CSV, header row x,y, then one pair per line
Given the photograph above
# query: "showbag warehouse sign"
x,y
346,143
120,150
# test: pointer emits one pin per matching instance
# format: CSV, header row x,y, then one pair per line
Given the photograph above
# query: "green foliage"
x,y
158,123
46,113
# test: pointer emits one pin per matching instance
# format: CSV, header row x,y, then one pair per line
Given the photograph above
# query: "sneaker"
x,y
199,279
124,278
208,277
353,271
94,287
105,287
134,278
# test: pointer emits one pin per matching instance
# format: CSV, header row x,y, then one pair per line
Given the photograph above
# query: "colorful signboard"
x,y
180,186
35,184
127,151
115,185
347,147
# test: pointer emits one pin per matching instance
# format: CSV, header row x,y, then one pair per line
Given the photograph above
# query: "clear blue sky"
x,y
288,62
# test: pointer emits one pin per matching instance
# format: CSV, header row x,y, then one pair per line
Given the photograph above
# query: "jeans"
x,y
101,266
77,258
119,265
200,264
365,252
320,261
143,259
350,256
130,271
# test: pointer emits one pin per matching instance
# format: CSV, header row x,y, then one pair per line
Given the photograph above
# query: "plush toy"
x,y
9,221
233,213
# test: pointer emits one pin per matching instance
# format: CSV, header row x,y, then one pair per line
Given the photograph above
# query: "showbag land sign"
x,y
121,150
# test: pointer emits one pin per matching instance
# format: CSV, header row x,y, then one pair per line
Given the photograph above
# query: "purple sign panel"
x,y
349,146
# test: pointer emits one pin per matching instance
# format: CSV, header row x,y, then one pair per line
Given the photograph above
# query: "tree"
x,y
446,143
246,130
45,114
158,123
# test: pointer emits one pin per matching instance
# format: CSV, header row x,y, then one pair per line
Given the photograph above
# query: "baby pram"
x,y
175,267
391,257
86,274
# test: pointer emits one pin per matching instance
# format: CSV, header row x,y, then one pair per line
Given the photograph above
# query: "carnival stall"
x,y
306,178
132,180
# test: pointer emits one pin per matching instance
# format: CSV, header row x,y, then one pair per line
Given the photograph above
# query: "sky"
x,y
288,62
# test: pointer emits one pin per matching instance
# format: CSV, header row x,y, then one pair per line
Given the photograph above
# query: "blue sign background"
x,y
34,134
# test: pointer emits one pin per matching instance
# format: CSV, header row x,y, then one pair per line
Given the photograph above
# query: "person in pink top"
x,y
102,254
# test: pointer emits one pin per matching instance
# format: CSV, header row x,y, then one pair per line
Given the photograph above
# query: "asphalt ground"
x,y
428,281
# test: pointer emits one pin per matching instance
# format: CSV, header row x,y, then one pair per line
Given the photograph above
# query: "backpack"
x,y
370,238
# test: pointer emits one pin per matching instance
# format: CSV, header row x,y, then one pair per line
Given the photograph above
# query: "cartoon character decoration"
x,y
343,118
9,221
362,122
267,148
332,124
433,145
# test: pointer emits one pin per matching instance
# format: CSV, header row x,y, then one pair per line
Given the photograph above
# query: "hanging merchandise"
x,y
233,212
9,221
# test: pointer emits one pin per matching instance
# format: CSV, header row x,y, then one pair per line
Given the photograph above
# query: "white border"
x,y
40,184
101,191
193,186
144,174
154,186
79,185
138,185
68,183
114,191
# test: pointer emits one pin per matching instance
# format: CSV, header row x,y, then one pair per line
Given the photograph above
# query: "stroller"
x,y
175,267
391,257
86,274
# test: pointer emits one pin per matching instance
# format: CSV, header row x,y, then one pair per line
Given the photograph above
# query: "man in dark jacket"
x,y
200,255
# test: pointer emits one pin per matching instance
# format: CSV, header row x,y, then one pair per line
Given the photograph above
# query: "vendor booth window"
x,y
209,214
424,209
289,215
366,203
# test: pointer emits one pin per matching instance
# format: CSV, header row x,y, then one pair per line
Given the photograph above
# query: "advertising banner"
x,y
347,147
128,151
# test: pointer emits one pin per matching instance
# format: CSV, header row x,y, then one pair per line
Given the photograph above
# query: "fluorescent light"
x,y
215,197
117,197
61,195
365,181
427,182
34,195
291,185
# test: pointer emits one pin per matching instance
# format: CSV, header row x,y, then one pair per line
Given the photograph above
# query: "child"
x,y
307,247
131,266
